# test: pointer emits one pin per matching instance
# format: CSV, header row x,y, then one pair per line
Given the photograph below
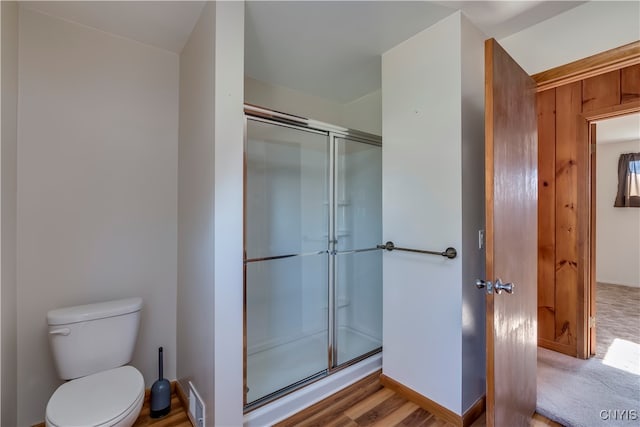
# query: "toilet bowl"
x,y
110,398
92,345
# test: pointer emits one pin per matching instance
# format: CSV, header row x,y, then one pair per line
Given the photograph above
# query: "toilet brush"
x,y
160,400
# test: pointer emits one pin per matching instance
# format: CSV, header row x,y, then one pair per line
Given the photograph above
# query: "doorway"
x,y
617,241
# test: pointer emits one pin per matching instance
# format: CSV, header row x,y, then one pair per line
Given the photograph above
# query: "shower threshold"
x,y
292,402
277,370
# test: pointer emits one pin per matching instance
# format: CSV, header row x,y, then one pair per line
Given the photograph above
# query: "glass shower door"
x,y
286,260
358,264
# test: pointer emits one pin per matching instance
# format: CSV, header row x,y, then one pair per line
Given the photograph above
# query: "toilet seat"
x,y
98,400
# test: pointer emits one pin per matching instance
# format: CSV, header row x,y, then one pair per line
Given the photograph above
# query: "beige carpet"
x,y
617,315
604,390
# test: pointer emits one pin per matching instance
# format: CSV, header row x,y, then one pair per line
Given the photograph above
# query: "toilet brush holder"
x,y
160,399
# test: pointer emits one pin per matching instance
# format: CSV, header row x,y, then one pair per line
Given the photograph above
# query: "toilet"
x,y
91,344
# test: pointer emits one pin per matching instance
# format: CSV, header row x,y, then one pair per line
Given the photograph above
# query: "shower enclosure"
x,y
313,274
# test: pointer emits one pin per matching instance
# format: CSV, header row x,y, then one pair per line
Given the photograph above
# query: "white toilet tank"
x,y
91,338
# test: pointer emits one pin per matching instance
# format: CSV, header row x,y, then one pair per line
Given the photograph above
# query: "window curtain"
x,y
628,181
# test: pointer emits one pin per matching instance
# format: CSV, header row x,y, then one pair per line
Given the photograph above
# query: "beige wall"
x,y
97,185
8,318
617,229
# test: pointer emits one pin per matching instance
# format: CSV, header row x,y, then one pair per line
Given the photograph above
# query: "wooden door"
x,y
511,158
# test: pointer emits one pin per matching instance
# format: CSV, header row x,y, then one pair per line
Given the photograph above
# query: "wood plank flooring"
x,y
176,418
537,421
368,403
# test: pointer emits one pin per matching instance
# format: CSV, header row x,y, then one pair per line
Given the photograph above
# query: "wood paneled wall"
x,y
559,146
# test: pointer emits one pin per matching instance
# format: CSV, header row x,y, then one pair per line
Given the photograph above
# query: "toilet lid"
x,y
95,399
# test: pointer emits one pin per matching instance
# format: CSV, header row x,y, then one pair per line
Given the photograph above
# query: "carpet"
x,y
604,390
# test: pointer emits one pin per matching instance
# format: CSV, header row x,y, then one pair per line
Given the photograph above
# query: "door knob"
x,y
507,287
498,286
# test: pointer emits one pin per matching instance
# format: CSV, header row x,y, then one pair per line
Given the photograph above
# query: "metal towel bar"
x,y
447,253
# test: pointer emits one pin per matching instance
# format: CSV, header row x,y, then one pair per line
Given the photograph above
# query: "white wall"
x,y
210,281
291,101
364,113
617,229
228,280
423,191
9,110
195,209
473,203
583,31
97,185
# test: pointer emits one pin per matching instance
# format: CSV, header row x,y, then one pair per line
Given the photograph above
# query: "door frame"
x,y
587,221
614,59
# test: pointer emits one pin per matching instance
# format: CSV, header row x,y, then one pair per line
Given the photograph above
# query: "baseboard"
x,y
617,283
559,347
415,397
465,420
474,412
184,400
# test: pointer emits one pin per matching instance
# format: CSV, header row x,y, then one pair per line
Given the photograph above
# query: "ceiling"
x,y
164,24
330,49
618,129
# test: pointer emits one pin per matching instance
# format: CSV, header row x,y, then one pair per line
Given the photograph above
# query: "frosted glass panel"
x,y
287,302
358,304
286,194
358,190
358,276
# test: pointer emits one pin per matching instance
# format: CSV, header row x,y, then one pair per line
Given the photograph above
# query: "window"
x,y
628,181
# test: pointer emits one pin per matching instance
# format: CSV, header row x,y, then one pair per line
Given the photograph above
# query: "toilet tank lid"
x,y
101,310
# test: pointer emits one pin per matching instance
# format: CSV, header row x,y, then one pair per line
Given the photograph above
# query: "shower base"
x,y
280,366
296,401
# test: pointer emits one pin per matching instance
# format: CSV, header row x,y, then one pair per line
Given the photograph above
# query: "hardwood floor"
x,y
176,418
368,403
537,421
